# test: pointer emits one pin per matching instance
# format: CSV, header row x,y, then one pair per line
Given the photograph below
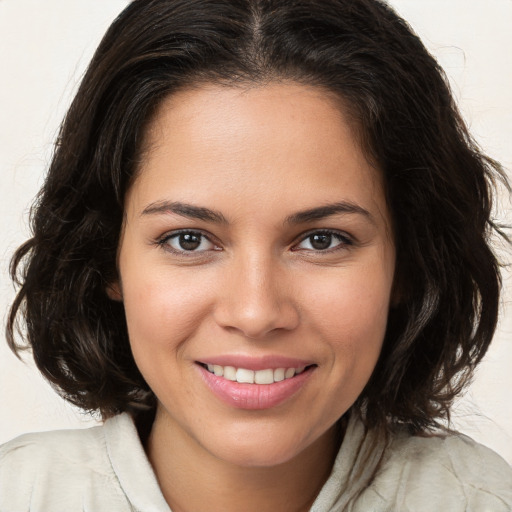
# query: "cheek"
x,y
349,312
163,308
163,312
353,304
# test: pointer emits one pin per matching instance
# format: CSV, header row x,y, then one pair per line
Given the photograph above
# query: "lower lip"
x,y
254,396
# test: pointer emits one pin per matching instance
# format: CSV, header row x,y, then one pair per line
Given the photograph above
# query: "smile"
x,y
261,388
245,376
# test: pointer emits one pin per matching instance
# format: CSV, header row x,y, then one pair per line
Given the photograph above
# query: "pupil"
x,y
189,242
321,242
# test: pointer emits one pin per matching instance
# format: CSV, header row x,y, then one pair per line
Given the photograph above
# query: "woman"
x,y
261,252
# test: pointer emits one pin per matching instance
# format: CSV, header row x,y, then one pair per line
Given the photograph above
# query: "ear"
x,y
114,291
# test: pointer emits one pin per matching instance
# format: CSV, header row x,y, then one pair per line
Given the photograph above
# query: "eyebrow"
x,y
327,210
185,210
302,217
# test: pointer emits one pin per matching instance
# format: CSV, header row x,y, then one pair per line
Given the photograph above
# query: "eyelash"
x,y
163,242
344,239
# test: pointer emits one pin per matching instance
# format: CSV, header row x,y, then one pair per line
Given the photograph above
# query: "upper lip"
x,y
256,363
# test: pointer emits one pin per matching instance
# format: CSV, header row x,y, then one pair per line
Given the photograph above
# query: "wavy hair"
x,y
439,188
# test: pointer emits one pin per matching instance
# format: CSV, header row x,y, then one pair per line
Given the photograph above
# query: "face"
x,y
256,266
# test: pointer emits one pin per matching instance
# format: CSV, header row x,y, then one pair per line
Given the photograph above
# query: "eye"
x,y
187,241
324,241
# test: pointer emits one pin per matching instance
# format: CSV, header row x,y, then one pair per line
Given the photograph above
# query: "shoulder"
x,y
454,456
443,472
57,449
52,443
54,470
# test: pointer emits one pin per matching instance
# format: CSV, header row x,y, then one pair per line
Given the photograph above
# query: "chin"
x,y
265,449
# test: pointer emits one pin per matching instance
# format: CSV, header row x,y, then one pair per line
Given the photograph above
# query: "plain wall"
x,y
44,49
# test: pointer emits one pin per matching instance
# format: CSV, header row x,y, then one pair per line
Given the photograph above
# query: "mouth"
x,y
261,388
246,376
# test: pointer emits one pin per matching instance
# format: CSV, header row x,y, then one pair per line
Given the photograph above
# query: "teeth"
x,y
290,372
264,377
279,374
229,372
245,376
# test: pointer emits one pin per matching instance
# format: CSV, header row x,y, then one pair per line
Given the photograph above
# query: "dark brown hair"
x,y
438,184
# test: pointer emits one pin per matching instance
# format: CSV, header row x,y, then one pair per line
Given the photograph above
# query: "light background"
x,y
44,49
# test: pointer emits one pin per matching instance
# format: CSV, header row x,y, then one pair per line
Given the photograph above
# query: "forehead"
x,y
237,116
281,141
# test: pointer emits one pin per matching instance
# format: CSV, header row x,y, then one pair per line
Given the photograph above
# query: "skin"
x,y
255,286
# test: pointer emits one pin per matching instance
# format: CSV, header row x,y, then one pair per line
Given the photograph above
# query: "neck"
x,y
192,479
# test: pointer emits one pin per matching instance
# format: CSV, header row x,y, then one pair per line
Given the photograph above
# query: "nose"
x,y
257,298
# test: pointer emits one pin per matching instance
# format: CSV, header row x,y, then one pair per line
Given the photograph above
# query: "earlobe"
x,y
114,291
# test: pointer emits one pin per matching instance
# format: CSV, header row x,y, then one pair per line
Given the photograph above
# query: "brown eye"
x,y
323,241
188,241
320,242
